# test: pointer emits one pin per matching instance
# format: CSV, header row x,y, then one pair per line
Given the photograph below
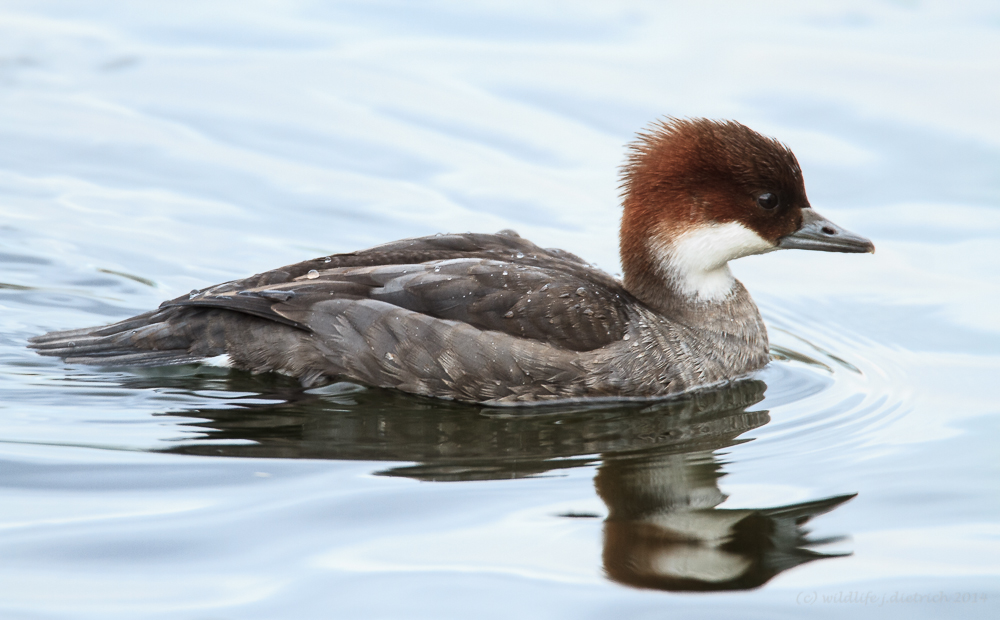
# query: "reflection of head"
x,y
664,532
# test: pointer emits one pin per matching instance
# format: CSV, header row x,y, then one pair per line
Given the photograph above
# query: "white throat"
x,y
696,262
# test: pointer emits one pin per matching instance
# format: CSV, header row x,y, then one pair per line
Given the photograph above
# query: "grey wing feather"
x,y
560,309
503,246
492,282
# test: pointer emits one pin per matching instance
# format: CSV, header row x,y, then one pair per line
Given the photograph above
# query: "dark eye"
x,y
767,200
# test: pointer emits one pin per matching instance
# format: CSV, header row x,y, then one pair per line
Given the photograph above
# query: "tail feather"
x,y
144,340
144,359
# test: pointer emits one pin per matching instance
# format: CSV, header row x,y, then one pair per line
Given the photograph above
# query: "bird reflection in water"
x,y
664,529
657,467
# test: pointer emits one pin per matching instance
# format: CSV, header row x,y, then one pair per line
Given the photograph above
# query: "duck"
x,y
496,320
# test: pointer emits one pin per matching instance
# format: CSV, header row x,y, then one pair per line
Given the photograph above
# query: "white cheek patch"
x,y
696,262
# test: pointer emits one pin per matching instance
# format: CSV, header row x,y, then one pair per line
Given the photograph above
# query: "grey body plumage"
x,y
473,317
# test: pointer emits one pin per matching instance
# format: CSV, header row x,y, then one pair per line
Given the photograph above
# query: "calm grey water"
x,y
151,148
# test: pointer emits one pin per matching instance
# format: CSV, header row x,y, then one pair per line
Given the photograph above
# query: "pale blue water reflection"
x,y
149,152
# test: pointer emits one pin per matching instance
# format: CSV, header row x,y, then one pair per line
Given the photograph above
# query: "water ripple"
x,y
828,387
